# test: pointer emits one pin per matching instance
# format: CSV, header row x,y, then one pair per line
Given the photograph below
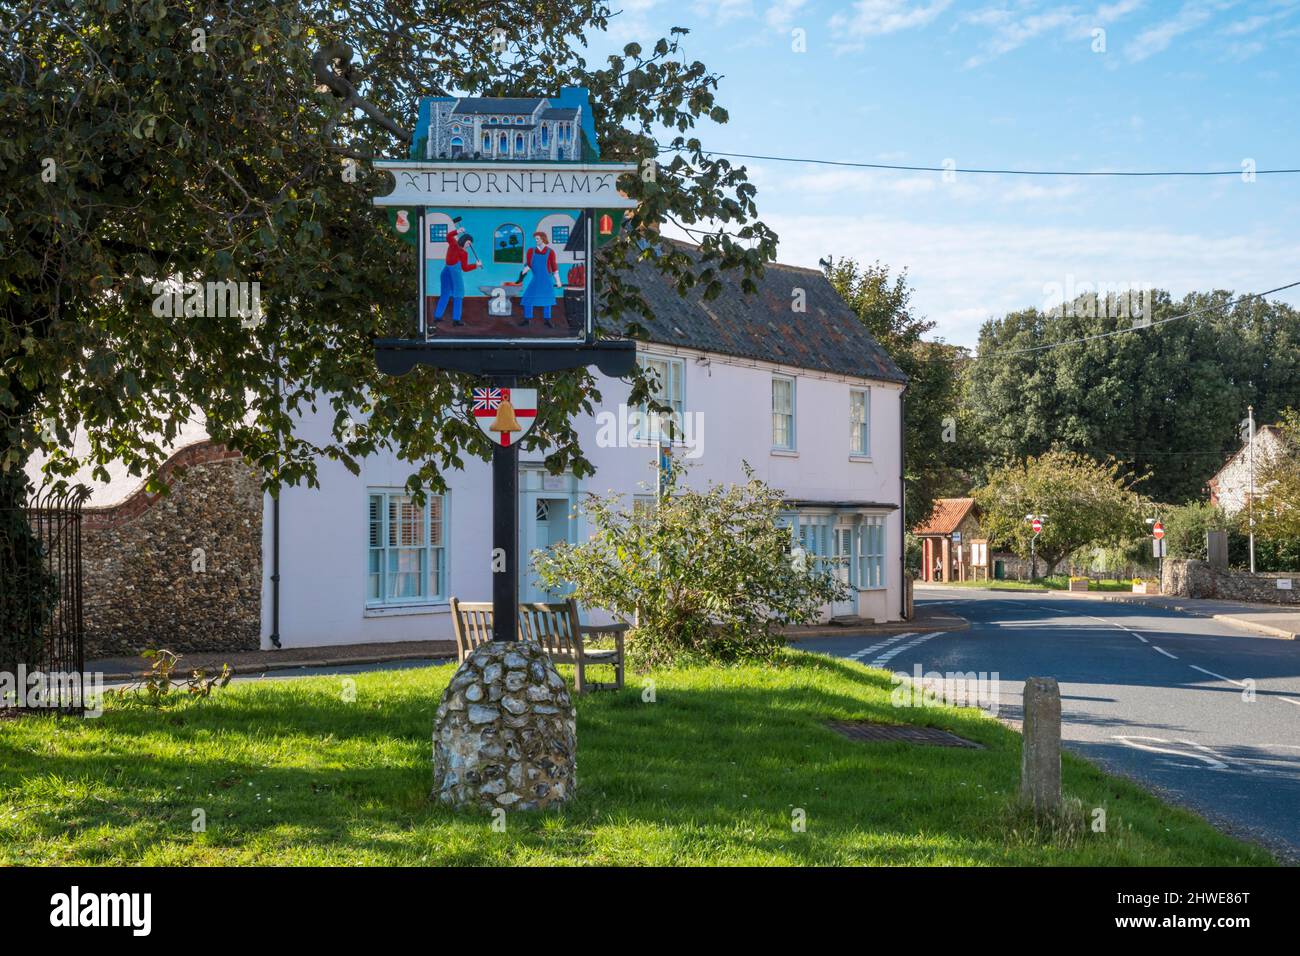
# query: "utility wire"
x,y
1138,328
989,172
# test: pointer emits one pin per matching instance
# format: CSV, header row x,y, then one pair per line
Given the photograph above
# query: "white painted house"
x,y
786,379
806,398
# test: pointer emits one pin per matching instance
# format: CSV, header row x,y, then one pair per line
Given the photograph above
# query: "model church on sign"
x,y
521,129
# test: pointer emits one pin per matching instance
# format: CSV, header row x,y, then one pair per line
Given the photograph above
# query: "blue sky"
x,y
1193,85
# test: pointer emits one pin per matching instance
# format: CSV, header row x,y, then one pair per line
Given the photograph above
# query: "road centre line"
x,y
1161,650
1219,676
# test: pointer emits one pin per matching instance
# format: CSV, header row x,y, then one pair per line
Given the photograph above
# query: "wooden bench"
x,y
555,627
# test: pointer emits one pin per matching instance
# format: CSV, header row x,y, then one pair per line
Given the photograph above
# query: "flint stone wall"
x,y
505,734
1199,579
146,586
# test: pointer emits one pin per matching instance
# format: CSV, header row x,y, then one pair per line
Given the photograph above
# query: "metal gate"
x,y
42,629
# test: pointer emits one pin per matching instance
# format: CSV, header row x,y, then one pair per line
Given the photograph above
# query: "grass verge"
x,y
289,772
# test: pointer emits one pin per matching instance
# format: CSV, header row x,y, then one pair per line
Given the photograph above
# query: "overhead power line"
x,y
1149,325
987,172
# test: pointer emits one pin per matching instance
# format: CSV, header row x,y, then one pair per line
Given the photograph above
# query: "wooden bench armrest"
x,y
603,628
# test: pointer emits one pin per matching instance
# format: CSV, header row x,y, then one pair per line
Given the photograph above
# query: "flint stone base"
x,y
506,733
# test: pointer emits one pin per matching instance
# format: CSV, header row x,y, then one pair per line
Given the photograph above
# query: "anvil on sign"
x,y
504,414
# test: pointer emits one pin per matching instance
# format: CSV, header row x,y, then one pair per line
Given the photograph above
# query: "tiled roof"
x,y
827,336
479,104
559,112
947,516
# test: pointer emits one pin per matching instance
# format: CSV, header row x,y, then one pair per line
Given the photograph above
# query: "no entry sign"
x,y
1158,531
1037,525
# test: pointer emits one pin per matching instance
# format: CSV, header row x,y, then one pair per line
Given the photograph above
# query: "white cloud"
x,y
879,17
781,13
1156,39
964,274
1012,30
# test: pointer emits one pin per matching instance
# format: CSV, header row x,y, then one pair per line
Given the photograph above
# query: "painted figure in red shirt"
x,y
451,284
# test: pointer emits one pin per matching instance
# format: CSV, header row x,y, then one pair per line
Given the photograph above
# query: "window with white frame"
x,y
407,548
860,422
812,534
783,436
871,552
668,388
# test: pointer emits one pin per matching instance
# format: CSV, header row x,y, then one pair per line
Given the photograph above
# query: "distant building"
x,y
494,128
1230,488
946,537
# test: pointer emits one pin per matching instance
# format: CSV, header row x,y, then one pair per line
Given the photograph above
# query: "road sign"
x,y
1158,548
504,414
1037,525
1158,531
956,537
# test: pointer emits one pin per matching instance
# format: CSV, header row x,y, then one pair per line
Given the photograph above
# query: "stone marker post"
x,y
1040,761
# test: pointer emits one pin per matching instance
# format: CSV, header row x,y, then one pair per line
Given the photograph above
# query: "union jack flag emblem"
x,y
487,399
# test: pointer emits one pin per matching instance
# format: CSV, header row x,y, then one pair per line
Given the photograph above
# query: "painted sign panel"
x,y
506,200
534,185
493,274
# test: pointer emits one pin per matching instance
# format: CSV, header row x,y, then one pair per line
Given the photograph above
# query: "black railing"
x,y
42,627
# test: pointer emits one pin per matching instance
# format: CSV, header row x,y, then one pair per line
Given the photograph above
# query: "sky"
x,y
1010,84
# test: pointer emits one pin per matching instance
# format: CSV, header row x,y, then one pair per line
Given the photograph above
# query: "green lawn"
x,y
288,772
1057,582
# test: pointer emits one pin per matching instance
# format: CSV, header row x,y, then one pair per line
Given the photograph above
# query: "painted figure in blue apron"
x,y
542,279
451,284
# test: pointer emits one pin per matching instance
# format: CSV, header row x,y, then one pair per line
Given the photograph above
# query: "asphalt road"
x,y
1158,696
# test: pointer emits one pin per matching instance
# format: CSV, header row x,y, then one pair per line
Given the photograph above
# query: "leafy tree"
x,y
147,140
707,575
1165,400
1086,503
937,446
1186,525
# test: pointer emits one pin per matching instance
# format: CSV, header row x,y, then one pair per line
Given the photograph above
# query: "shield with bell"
x,y
504,414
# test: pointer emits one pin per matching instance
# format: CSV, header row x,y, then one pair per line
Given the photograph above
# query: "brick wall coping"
x,y
141,500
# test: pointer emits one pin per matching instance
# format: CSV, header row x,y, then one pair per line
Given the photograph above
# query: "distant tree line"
x,y
1157,402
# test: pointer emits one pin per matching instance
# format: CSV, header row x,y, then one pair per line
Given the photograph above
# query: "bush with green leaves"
x,y
1186,525
706,575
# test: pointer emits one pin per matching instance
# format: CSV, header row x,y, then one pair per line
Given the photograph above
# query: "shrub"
x,y
707,575
1186,525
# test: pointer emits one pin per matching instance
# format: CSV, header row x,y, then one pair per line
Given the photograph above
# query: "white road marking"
x,y
1141,638
884,658
1219,676
1290,701
858,655
1212,762
1161,650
